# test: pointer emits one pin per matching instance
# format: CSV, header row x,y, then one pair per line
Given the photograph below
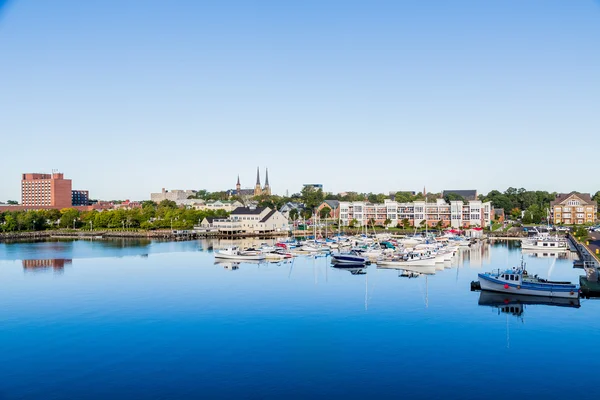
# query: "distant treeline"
x,y
151,216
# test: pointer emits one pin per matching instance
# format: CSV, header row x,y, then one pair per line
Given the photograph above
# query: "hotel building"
x,y
455,214
574,209
45,190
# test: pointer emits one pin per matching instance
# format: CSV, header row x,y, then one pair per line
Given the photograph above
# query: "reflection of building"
x,y
50,190
57,264
573,208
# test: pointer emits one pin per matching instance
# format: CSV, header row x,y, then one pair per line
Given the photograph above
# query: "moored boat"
x,y
234,253
517,281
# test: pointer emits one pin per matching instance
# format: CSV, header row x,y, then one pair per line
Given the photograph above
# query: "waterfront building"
x,y
173,195
573,209
289,206
333,205
252,220
80,198
455,214
225,205
45,190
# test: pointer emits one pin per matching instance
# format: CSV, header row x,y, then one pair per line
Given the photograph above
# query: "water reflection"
x,y
514,304
354,269
56,264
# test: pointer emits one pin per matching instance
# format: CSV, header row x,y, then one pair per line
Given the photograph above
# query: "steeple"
x,y
238,181
267,189
238,186
257,188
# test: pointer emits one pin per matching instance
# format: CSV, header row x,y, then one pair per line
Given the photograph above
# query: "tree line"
x,y
165,215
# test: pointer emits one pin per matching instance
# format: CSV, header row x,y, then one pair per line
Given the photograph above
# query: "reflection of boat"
x,y
494,299
517,281
354,269
234,253
546,253
230,265
421,269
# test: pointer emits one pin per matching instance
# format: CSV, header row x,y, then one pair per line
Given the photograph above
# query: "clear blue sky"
x,y
127,97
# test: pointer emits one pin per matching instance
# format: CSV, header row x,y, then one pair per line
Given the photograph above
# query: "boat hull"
x,y
348,259
567,291
222,256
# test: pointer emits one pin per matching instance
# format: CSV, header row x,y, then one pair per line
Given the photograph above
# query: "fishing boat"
x,y
352,257
234,253
518,281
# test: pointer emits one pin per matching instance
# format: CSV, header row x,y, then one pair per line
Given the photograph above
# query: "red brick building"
x,y
45,190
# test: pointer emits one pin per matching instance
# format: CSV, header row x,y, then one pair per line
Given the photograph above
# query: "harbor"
x,y
191,306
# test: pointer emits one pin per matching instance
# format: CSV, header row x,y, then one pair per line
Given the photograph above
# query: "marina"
x,y
150,305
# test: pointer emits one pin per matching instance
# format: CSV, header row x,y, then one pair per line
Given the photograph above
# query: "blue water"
x,y
158,320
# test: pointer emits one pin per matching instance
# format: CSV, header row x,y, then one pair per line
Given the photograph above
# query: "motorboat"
x,y
410,258
518,281
234,253
351,257
545,243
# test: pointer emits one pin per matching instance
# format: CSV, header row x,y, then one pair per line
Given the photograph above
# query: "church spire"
x,y
257,188
266,177
238,181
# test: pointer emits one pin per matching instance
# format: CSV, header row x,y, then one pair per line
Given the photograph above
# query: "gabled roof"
x,y
269,215
333,204
248,211
211,219
561,197
465,194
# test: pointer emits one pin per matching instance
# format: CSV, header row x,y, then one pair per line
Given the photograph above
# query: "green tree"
x,y
353,223
307,213
312,197
12,202
387,222
527,217
325,212
405,223
69,218
294,214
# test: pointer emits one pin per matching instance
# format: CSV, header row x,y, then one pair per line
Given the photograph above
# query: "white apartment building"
x,y
456,214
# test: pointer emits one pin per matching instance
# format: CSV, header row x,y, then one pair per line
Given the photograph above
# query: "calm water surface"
x,y
158,320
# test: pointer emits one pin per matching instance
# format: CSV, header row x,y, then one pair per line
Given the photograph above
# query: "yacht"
x,y
545,243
